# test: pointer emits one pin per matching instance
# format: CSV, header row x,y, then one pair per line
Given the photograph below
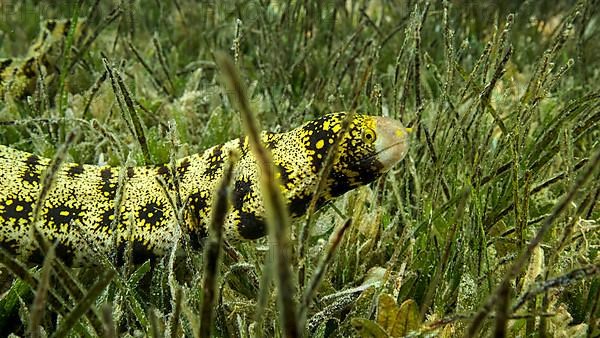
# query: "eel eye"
x,y
369,135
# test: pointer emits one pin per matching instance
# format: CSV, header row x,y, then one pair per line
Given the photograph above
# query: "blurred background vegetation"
x,y
504,98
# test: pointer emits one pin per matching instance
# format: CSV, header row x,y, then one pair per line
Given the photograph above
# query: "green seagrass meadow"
x,y
489,226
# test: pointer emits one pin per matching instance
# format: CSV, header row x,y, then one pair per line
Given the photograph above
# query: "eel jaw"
x,y
391,144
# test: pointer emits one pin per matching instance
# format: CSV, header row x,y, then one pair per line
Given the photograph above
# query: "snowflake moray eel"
x,y
79,215
80,205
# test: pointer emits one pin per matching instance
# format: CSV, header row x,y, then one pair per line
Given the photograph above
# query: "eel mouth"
x,y
391,144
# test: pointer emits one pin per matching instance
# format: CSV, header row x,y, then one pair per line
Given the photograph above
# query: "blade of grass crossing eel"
x,y
212,254
276,213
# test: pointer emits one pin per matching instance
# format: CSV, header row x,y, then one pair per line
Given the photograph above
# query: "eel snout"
x,y
391,144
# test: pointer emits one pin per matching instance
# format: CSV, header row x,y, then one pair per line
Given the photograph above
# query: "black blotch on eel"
x,y
250,225
31,174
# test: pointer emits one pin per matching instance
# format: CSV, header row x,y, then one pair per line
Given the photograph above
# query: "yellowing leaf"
x,y
447,331
397,321
368,328
386,311
535,268
407,319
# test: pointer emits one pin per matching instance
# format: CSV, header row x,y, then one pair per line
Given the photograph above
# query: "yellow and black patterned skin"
x,y
19,76
79,211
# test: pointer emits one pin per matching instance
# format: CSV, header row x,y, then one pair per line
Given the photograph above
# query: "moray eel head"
x,y
371,147
391,143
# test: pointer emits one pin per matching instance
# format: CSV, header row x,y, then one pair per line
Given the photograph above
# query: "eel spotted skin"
x,y
78,213
19,76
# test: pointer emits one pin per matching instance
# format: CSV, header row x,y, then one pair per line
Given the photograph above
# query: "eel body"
x,y
19,76
80,211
